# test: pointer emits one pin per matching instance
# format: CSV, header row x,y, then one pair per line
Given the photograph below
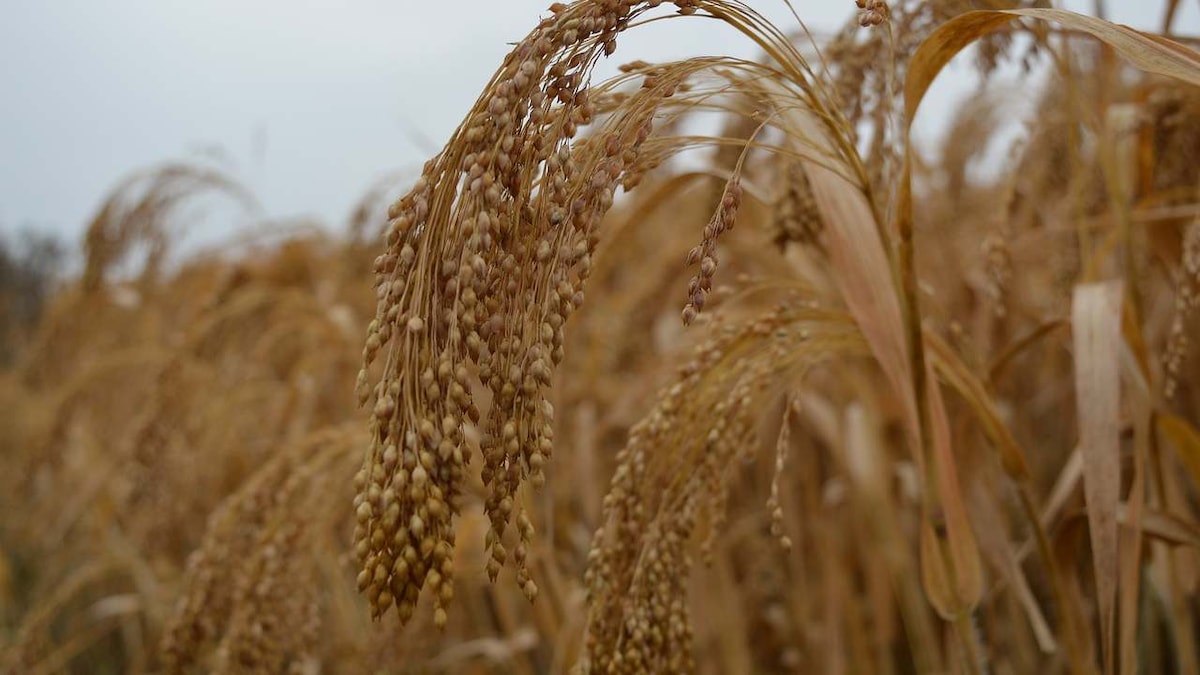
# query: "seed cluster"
x,y
705,254
1187,300
763,579
998,270
275,619
232,531
486,260
796,216
872,12
671,477
250,590
1170,115
1171,111
774,503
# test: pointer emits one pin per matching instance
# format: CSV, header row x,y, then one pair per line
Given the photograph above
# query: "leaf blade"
x,y
1096,320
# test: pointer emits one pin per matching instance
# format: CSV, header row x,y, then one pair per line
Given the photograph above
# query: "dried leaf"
x,y
1096,319
986,516
959,376
1186,440
1064,486
1150,53
953,543
950,564
1163,526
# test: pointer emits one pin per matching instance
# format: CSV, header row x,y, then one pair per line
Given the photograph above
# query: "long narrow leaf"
x,y
1096,319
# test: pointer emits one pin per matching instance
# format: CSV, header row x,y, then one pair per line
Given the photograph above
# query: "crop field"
x,y
704,368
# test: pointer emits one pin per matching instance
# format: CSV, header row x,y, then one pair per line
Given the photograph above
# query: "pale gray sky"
x,y
313,101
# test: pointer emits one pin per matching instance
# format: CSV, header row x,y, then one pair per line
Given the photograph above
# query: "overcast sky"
x,y
312,102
